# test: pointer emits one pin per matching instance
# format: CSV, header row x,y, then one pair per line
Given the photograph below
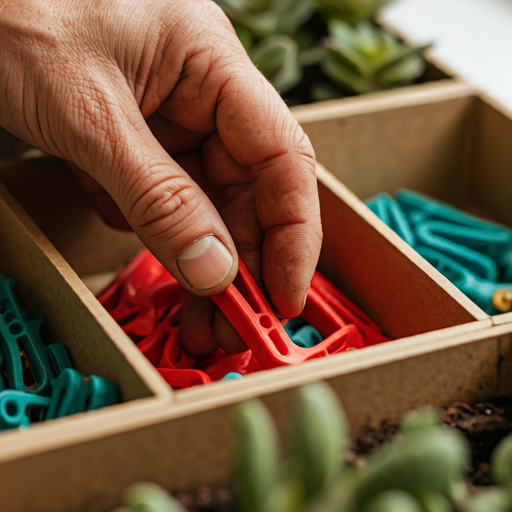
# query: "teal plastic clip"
x,y
96,393
435,234
421,208
73,393
480,291
390,212
20,409
231,376
302,334
58,358
20,340
65,392
30,365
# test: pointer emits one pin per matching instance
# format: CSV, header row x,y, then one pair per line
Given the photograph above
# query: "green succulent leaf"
x,y
318,439
393,500
402,72
148,497
425,459
268,17
366,58
432,501
428,416
257,463
312,55
323,92
490,500
352,11
245,36
337,497
501,462
277,58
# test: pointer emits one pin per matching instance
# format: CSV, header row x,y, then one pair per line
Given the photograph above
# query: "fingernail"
x,y
304,302
205,263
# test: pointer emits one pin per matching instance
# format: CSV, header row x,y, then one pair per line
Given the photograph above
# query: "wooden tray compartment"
x,y
46,284
450,142
185,439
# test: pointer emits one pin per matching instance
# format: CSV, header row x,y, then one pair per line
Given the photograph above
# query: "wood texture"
x,y
183,447
52,197
187,440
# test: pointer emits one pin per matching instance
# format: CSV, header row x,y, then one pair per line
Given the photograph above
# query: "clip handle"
x,y
253,318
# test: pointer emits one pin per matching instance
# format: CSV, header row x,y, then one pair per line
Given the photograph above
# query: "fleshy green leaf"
x,y
424,459
277,58
402,72
148,497
352,11
501,462
257,463
393,500
490,500
428,416
318,439
366,58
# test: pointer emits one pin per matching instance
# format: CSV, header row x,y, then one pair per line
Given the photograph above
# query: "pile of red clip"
x,y
145,300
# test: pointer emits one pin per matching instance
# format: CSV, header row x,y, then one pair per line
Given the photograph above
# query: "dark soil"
x,y
484,425
208,499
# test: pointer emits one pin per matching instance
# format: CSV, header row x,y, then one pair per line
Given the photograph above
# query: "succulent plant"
x,y
148,497
366,58
419,471
499,498
352,11
268,17
416,472
277,58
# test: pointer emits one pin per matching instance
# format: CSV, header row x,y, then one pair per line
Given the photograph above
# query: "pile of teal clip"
x,y
301,333
474,254
38,382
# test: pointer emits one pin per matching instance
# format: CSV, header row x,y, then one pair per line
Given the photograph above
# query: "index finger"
x,y
261,134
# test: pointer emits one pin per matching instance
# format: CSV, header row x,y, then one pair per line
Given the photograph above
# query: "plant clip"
x,y
184,377
26,358
73,393
252,317
20,409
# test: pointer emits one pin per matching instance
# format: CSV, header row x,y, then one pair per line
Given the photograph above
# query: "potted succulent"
x,y
313,50
419,470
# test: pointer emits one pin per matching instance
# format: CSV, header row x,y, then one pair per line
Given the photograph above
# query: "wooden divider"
x,y
444,348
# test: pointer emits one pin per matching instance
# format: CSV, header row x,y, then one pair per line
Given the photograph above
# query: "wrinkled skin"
x,y
173,132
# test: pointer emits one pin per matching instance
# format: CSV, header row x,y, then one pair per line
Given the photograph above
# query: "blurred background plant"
x,y
419,470
312,50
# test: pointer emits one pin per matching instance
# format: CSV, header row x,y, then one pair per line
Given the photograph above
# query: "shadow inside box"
x,y
449,144
385,288
146,301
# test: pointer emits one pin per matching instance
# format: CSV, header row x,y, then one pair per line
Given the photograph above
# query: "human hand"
x,y
159,105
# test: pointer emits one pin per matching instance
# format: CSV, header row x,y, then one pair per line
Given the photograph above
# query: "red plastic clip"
x,y
162,299
324,291
219,366
250,314
183,378
173,356
140,274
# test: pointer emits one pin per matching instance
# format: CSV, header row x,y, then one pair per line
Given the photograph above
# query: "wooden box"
x,y
449,142
444,348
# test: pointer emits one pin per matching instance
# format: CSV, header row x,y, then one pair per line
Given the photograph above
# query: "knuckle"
x,y
164,208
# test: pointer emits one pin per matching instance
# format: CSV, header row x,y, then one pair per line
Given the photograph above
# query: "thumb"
x,y
170,213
